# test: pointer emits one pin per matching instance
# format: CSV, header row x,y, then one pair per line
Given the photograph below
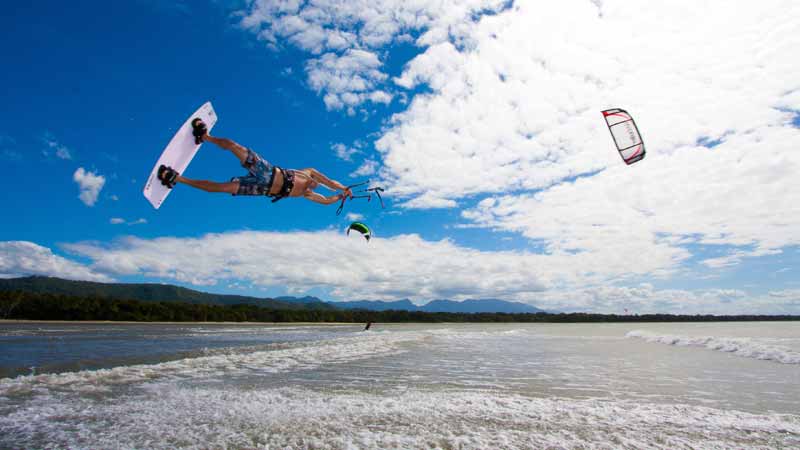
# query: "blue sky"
x,y
480,117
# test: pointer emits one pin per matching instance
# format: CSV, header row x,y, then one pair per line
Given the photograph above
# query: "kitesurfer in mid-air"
x,y
263,178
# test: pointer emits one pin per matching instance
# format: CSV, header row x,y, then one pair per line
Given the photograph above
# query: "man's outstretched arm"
x,y
317,176
318,198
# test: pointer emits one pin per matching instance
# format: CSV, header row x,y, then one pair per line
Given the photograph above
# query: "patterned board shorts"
x,y
258,181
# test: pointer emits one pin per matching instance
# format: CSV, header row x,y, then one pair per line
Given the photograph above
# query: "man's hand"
x,y
346,193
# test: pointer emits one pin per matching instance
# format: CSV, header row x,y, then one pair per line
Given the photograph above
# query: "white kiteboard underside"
x,y
178,154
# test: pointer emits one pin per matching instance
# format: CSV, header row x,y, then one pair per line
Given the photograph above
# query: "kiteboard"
x,y
178,154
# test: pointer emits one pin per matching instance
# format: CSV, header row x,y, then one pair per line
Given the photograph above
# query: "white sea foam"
x,y
49,331
764,349
272,359
462,335
261,329
171,416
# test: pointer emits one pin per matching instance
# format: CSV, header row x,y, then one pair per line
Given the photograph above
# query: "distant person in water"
x,y
263,178
369,324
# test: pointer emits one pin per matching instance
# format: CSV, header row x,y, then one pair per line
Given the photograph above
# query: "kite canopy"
x,y
626,135
361,228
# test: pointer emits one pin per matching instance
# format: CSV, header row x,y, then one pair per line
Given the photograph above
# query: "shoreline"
x,y
130,322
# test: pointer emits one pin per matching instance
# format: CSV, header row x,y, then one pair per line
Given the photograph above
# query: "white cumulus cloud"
x,y
367,168
645,299
344,152
386,268
727,196
346,34
90,184
347,80
120,221
22,258
519,107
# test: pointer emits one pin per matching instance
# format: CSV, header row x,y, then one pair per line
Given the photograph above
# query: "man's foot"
x,y
199,130
167,175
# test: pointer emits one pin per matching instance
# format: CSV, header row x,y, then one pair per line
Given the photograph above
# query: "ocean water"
x,y
447,386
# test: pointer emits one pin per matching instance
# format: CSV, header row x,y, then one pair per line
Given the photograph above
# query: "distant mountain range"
x,y
170,293
466,306
138,291
307,300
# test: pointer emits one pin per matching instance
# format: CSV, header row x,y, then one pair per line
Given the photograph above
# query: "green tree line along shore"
x,y
35,306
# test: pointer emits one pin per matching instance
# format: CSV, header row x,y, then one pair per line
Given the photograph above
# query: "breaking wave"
x,y
744,347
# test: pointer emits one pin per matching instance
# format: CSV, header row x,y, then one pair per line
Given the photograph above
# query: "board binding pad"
x,y
178,154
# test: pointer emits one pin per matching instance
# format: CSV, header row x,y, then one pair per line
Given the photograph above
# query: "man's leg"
x,y
230,187
227,144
